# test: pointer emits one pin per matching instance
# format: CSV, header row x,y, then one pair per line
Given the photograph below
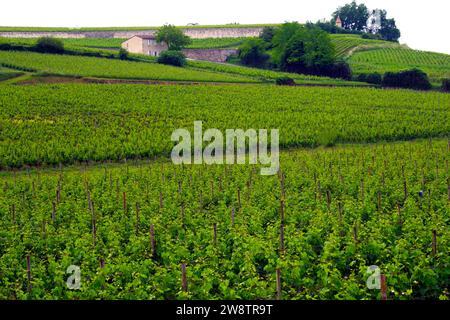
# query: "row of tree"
x,y
359,19
293,47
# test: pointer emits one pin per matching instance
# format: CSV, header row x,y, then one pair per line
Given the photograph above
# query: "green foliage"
x,y
269,75
49,45
216,43
324,258
446,85
253,53
281,38
79,122
346,43
285,81
309,48
109,68
374,78
395,59
267,35
353,16
410,79
123,54
389,30
173,36
173,58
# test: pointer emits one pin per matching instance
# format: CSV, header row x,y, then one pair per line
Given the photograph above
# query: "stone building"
x,y
144,45
338,22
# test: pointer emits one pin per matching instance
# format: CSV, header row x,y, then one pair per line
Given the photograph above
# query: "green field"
x,y
86,179
270,75
344,209
108,68
79,122
344,43
436,65
72,42
211,43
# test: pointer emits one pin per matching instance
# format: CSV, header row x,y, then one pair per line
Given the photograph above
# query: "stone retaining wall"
x,y
195,33
214,55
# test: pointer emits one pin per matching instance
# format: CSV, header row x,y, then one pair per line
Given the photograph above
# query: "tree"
x,y
172,57
388,28
173,36
410,79
353,16
123,54
49,45
282,36
267,35
309,50
253,53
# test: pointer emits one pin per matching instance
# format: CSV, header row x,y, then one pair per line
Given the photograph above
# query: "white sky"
x,y
424,24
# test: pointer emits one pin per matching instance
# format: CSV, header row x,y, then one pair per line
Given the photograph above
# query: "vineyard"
x,y
76,122
212,43
268,75
318,225
107,68
86,178
436,65
344,43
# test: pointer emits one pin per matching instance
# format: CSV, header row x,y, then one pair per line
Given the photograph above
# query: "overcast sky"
x,y
424,24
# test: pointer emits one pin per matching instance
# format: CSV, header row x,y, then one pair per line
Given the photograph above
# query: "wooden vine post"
x,y
13,212
434,243
152,240
125,202
53,212
215,233
379,200
328,200
184,284
278,284
232,215
29,273
94,224
383,287
137,218
239,198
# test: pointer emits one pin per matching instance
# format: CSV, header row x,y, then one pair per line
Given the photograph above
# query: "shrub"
x,y
340,69
374,78
410,79
253,53
446,85
285,81
267,35
173,58
123,54
49,45
361,77
371,36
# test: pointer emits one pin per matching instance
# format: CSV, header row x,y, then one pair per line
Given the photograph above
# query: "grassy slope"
x,y
109,68
116,42
269,74
344,43
436,65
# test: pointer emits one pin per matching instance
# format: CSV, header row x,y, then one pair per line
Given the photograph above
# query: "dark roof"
x,y
149,37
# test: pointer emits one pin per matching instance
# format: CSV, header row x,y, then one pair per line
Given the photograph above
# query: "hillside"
x,y
381,60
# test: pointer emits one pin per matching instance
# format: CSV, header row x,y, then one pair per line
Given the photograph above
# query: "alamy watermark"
x,y
74,280
374,280
236,143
